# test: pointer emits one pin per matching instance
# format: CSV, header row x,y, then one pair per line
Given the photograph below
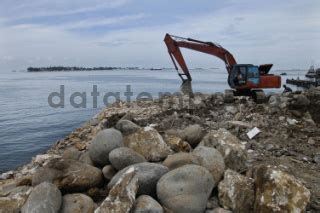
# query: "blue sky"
x,y
130,32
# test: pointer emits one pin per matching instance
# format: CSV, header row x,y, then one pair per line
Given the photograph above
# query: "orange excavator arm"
x,y
174,43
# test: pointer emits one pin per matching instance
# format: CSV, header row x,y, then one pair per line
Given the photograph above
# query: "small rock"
x,y
127,127
213,203
74,203
72,153
108,172
229,146
68,175
149,143
192,134
105,141
145,204
185,189
148,175
80,146
177,144
211,159
236,192
44,159
180,159
316,158
311,141
122,195
45,197
219,210
277,191
123,157
240,124
231,109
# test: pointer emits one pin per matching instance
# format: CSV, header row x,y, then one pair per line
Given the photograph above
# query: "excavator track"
x,y
259,96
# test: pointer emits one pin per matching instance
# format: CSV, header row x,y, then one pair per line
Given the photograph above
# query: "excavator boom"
x,y
175,42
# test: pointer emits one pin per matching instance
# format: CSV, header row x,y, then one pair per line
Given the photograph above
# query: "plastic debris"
x,y
253,132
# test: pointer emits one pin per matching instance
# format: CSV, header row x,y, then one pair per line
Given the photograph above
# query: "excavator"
x,y
244,79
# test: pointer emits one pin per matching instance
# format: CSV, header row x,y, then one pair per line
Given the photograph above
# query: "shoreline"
x,y
286,137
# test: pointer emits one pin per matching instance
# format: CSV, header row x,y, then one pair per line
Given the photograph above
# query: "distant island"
x,y
71,69
63,69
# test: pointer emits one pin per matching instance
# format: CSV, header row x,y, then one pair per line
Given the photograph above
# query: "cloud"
x,y
45,8
101,21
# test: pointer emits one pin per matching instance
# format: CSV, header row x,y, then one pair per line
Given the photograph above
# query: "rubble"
x,y
183,154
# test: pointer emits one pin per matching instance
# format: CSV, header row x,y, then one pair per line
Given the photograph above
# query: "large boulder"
x,y
12,198
127,127
145,204
236,192
68,175
211,159
105,141
299,102
149,143
277,191
192,134
45,197
185,189
74,203
123,157
180,159
122,195
148,175
229,146
75,154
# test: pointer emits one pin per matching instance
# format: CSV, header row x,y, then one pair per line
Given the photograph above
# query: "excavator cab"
x,y
244,76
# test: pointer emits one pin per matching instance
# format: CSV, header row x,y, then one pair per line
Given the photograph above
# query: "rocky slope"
x,y
180,154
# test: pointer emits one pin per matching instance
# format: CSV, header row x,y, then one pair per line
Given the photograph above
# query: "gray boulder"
x,y
185,189
74,154
45,197
180,159
211,159
74,203
146,204
299,102
192,134
68,175
148,175
105,141
127,127
123,157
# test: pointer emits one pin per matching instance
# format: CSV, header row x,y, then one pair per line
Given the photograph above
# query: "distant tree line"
x,y
63,68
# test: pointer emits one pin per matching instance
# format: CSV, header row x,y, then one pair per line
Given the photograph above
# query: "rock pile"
x,y
179,158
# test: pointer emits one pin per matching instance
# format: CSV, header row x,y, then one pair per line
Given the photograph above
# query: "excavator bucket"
x,y
186,87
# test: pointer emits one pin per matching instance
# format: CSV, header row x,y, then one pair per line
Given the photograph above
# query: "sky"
x,y
130,32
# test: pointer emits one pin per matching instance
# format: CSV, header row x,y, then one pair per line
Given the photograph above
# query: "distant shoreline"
x,y
71,69
80,69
